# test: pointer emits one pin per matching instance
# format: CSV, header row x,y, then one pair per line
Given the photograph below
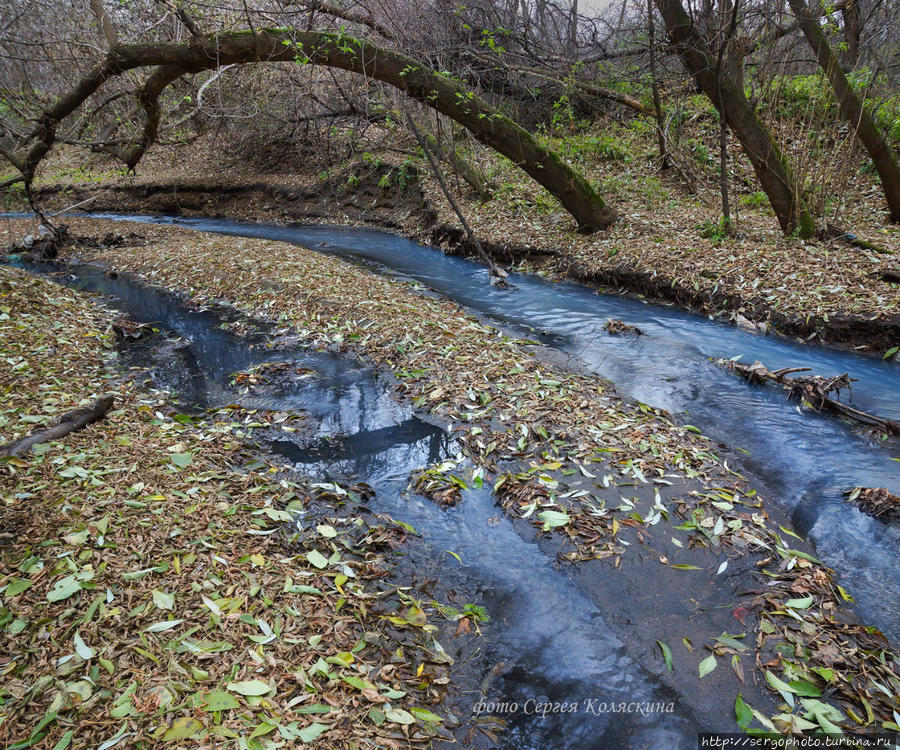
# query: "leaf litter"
x,y
157,590
561,448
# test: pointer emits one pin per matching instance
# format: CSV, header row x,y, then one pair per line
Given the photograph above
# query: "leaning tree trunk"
x,y
723,91
852,109
339,50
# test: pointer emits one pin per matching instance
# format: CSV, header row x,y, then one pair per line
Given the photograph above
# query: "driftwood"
x,y
813,390
876,501
62,426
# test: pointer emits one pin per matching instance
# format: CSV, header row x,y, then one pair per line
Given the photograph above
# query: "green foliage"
x,y
489,39
700,151
800,96
606,148
754,200
717,231
563,119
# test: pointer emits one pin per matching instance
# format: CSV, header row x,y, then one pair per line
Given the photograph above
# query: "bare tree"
x,y
724,91
852,108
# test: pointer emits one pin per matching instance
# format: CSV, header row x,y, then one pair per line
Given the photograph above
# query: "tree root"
x,y
62,426
811,390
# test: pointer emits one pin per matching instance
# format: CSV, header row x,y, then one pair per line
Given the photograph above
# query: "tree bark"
x,y
340,50
770,166
852,31
654,86
852,109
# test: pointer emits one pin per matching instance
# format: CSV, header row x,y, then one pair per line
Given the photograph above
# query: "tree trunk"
x,y
852,109
654,86
339,50
852,31
771,167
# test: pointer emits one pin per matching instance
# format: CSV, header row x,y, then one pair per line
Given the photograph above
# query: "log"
x,y
815,390
62,426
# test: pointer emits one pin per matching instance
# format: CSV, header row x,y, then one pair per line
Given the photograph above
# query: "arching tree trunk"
x,y
338,50
852,109
771,167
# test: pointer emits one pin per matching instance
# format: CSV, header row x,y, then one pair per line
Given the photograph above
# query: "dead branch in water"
x,y
63,425
812,390
876,501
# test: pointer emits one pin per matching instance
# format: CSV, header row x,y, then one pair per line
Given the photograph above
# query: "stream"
x,y
542,623
805,462
549,634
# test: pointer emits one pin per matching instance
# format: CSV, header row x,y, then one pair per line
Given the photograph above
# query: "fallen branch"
x,y
497,274
62,426
876,501
812,390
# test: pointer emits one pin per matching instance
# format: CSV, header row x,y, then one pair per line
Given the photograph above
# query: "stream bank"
x,y
820,292
519,411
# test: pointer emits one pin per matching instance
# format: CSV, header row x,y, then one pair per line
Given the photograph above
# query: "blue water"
x,y
803,462
552,638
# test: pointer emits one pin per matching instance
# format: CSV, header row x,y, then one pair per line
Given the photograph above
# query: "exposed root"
x,y
66,423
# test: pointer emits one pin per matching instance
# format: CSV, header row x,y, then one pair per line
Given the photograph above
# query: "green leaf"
x,y
311,733
16,586
357,683
162,626
742,712
63,589
317,559
707,665
81,648
249,687
807,689
263,729
804,603
65,740
181,459
552,519
218,701
398,716
786,691
891,352
426,716
163,600
182,728
667,655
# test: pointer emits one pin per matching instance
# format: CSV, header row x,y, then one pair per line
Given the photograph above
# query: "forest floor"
x,y
156,587
620,484
666,245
